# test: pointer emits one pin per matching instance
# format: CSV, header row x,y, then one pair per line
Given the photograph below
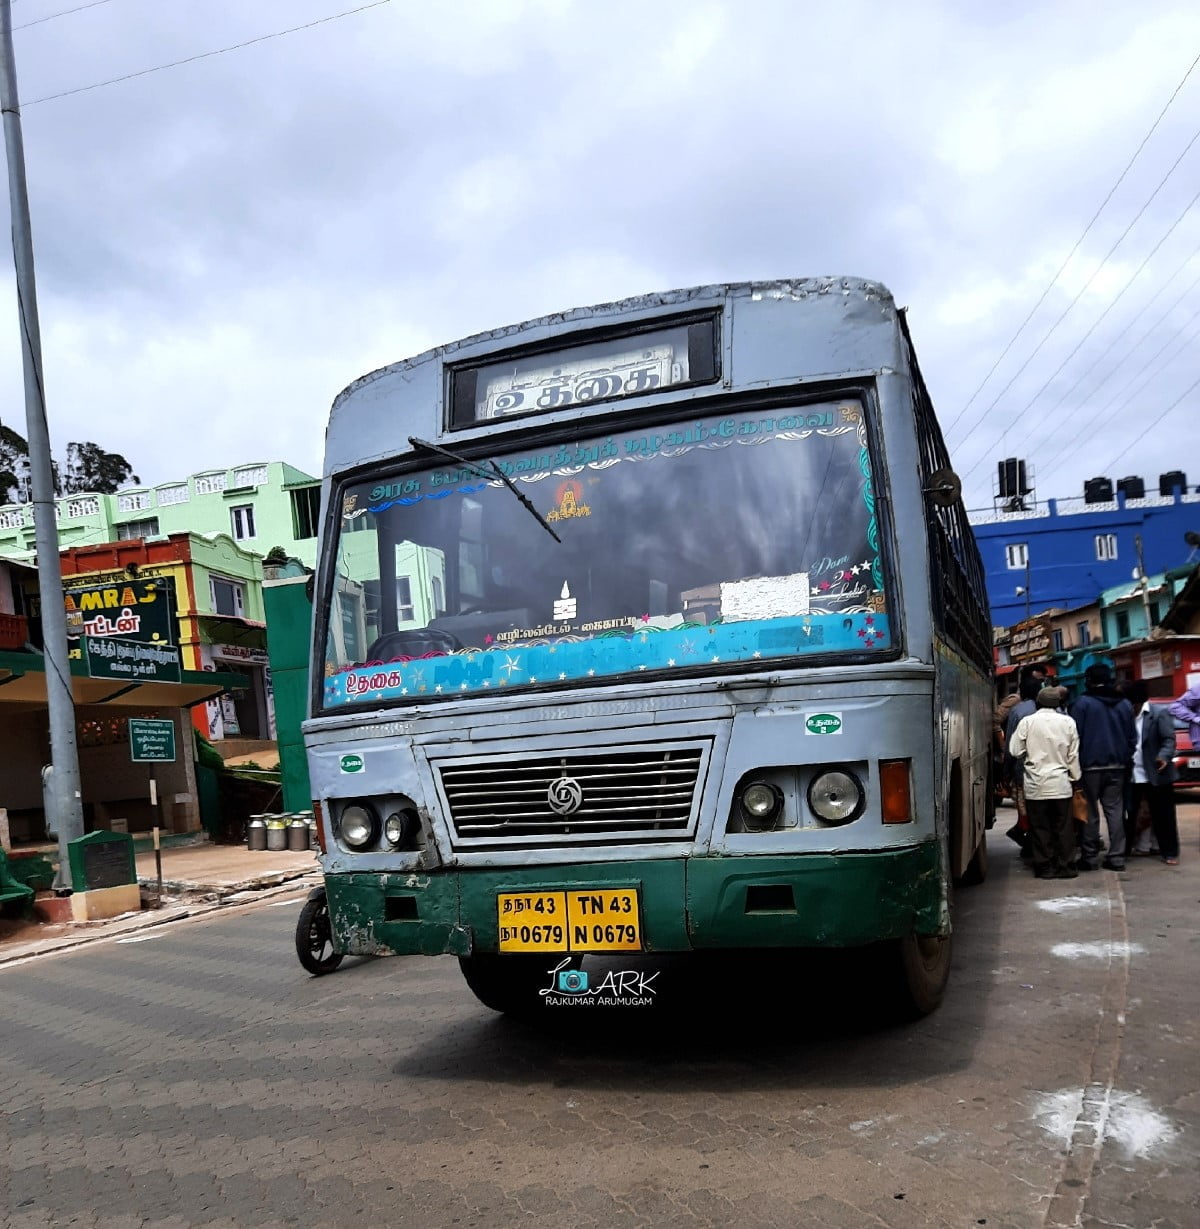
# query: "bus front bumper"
x,y
810,900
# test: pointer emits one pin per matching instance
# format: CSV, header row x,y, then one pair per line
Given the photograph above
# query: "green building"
x,y
259,506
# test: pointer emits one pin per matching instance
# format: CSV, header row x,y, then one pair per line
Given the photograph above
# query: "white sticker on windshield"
x,y
765,597
566,605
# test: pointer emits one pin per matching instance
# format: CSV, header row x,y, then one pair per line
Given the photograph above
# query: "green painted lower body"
x,y
807,900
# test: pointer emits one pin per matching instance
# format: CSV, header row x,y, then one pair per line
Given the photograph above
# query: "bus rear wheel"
x,y
921,970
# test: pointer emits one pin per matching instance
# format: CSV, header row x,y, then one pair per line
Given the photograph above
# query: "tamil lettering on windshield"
x,y
701,545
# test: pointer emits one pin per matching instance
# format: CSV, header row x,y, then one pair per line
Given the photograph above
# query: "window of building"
x,y
404,602
89,505
175,494
250,475
306,511
1122,624
1106,546
1085,634
133,501
1153,614
439,601
228,596
242,519
1016,554
12,518
1057,638
207,484
146,528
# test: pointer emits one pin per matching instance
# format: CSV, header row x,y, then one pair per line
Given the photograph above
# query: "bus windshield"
x,y
729,539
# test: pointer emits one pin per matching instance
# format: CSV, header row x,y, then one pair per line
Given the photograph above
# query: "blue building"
x,y
1063,553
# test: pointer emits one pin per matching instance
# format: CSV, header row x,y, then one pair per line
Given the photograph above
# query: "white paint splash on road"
x,y
1130,1122
1069,904
1096,951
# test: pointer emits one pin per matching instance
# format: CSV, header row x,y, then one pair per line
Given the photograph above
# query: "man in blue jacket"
x,y
1106,746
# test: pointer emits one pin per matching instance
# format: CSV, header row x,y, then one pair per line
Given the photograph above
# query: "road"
x,y
199,1077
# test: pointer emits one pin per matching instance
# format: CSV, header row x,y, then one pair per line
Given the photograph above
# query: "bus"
x,y
654,626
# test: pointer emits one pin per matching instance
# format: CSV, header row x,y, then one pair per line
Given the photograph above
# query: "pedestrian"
x,y
1001,711
1154,769
1106,743
1026,705
1047,745
1187,708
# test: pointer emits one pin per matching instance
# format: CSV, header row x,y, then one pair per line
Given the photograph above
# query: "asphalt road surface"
x,y
195,1075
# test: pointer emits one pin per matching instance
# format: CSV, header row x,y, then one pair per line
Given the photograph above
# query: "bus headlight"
x,y
761,803
836,796
402,829
359,826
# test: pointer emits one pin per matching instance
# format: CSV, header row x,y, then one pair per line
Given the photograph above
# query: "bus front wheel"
x,y
510,984
921,965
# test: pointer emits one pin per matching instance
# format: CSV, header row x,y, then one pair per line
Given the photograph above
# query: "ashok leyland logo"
x,y
617,988
823,723
565,795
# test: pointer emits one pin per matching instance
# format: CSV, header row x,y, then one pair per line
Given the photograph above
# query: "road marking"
x,y
1069,904
139,938
283,904
1097,951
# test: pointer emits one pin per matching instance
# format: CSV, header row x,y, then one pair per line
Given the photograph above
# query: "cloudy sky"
x,y
223,245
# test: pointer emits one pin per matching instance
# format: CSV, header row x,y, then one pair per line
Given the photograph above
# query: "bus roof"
x,y
644,304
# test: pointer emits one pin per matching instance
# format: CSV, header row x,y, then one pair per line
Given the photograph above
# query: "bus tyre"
x,y
314,937
922,970
977,868
509,984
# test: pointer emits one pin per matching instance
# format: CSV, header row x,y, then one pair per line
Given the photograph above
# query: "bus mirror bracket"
x,y
944,488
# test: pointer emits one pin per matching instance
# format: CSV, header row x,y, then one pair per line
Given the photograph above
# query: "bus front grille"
x,y
644,794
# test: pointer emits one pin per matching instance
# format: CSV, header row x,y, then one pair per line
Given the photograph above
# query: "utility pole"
x,y
1028,593
61,792
1143,583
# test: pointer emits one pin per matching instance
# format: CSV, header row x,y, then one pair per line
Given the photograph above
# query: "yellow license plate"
x,y
593,920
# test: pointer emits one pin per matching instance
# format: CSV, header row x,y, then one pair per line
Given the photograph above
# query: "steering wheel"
x,y
415,642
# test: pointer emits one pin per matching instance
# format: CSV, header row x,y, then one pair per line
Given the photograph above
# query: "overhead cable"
x,y
1078,243
204,55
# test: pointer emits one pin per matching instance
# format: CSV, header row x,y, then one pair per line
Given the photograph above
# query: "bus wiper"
x,y
494,472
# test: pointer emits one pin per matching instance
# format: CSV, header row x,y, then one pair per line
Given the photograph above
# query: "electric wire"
x,y
95,4
1095,324
1098,371
1150,427
205,55
1088,284
1078,243
1105,413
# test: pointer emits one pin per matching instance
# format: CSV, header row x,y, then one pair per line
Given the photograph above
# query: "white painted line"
x,y
283,904
139,938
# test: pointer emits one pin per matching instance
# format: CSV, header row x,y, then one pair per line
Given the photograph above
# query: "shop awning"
x,y
232,629
23,682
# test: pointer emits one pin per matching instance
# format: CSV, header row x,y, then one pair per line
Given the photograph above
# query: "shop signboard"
x,y
130,661
135,609
1029,641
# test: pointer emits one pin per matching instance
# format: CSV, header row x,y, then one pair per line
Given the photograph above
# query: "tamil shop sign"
x,y
131,661
141,610
1030,641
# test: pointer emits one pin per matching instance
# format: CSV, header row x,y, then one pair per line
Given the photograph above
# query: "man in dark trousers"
x,y
1046,744
1106,746
1154,769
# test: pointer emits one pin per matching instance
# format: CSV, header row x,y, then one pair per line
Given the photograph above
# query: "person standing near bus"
x,y
1026,705
1187,708
1106,746
1154,769
1046,745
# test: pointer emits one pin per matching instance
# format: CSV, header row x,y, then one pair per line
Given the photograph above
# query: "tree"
x,y
91,468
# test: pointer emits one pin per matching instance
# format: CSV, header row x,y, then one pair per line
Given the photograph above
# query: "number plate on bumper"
x,y
603,920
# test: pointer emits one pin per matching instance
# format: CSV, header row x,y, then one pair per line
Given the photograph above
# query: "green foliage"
x,y
89,468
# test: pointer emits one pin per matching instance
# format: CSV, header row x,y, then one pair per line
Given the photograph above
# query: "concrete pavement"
x,y
201,1078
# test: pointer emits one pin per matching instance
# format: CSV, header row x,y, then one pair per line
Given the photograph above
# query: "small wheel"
x,y
511,984
314,938
977,868
921,970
